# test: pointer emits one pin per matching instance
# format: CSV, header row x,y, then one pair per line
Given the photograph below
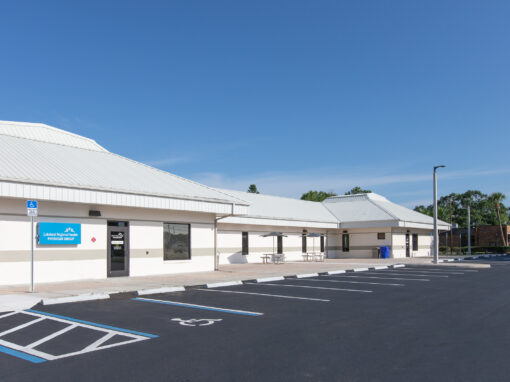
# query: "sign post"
x,y
31,211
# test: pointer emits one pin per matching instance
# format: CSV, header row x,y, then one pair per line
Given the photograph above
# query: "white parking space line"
x,y
405,273
440,269
496,263
8,314
382,278
99,342
196,306
312,287
354,282
264,294
428,272
381,267
16,328
51,336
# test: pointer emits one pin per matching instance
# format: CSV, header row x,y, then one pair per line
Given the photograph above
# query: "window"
x,y
279,245
303,243
322,243
381,236
345,242
245,243
176,241
415,241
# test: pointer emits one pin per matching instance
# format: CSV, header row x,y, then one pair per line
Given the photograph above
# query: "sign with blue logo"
x,y
59,233
32,204
31,207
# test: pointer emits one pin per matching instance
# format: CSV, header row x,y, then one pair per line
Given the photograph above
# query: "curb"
x,y
305,275
268,279
222,284
336,272
143,292
77,298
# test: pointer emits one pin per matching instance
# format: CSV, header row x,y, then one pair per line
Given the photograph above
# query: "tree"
x,y
484,208
357,190
496,199
317,196
253,189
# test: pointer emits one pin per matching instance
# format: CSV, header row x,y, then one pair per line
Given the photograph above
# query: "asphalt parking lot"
x,y
417,323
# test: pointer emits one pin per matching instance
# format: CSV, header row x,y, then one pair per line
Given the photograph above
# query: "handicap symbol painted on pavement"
x,y
197,321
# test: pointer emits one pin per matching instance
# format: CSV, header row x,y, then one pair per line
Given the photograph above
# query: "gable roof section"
x,y
64,164
353,210
44,133
280,208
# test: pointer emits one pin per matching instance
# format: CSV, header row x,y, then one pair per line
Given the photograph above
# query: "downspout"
x,y
216,256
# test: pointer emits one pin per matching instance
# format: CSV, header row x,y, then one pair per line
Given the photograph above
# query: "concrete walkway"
x,y
231,272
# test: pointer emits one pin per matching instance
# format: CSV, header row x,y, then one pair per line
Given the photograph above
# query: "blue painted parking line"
x,y
204,307
26,357
148,335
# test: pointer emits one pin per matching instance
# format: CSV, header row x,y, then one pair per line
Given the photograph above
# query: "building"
x,y
103,215
481,236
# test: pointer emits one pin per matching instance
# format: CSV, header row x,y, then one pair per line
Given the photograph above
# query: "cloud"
x,y
294,184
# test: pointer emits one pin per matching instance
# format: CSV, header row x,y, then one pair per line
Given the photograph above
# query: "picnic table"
x,y
275,258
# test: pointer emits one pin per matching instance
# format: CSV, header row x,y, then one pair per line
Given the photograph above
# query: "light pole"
x,y
436,241
469,229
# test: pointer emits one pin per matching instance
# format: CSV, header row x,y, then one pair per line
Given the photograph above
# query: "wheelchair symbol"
x,y
197,322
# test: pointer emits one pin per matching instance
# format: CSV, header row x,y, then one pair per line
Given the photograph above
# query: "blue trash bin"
x,y
385,252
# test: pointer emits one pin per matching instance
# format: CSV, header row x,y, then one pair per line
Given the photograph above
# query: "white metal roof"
x,y
57,160
364,208
44,133
280,208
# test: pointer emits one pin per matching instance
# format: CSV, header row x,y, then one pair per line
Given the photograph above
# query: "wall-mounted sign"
x,y
59,233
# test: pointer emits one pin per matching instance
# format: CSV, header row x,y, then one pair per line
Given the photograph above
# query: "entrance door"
x,y
118,249
408,250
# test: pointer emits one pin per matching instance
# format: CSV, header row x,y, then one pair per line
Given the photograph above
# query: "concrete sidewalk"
x,y
231,272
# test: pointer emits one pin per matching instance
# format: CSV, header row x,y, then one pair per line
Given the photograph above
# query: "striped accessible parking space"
x,y
37,336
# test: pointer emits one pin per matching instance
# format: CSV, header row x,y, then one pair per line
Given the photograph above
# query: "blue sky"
x,y
290,95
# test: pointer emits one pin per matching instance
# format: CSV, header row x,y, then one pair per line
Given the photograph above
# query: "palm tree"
x,y
497,198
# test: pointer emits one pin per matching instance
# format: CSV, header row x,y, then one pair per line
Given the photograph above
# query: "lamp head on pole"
x,y
436,167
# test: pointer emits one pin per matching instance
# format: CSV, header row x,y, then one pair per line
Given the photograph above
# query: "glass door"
x,y
118,249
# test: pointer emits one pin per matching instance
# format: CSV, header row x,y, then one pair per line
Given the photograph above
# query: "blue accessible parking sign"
x,y
31,207
32,204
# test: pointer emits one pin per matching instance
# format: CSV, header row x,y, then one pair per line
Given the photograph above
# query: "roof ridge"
x,y
275,196
49,127
383,209
339,221
55,143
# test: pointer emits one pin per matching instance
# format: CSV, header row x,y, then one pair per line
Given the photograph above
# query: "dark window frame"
x,y
245,243
345,242
415,242
188,241
381,235
304,246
